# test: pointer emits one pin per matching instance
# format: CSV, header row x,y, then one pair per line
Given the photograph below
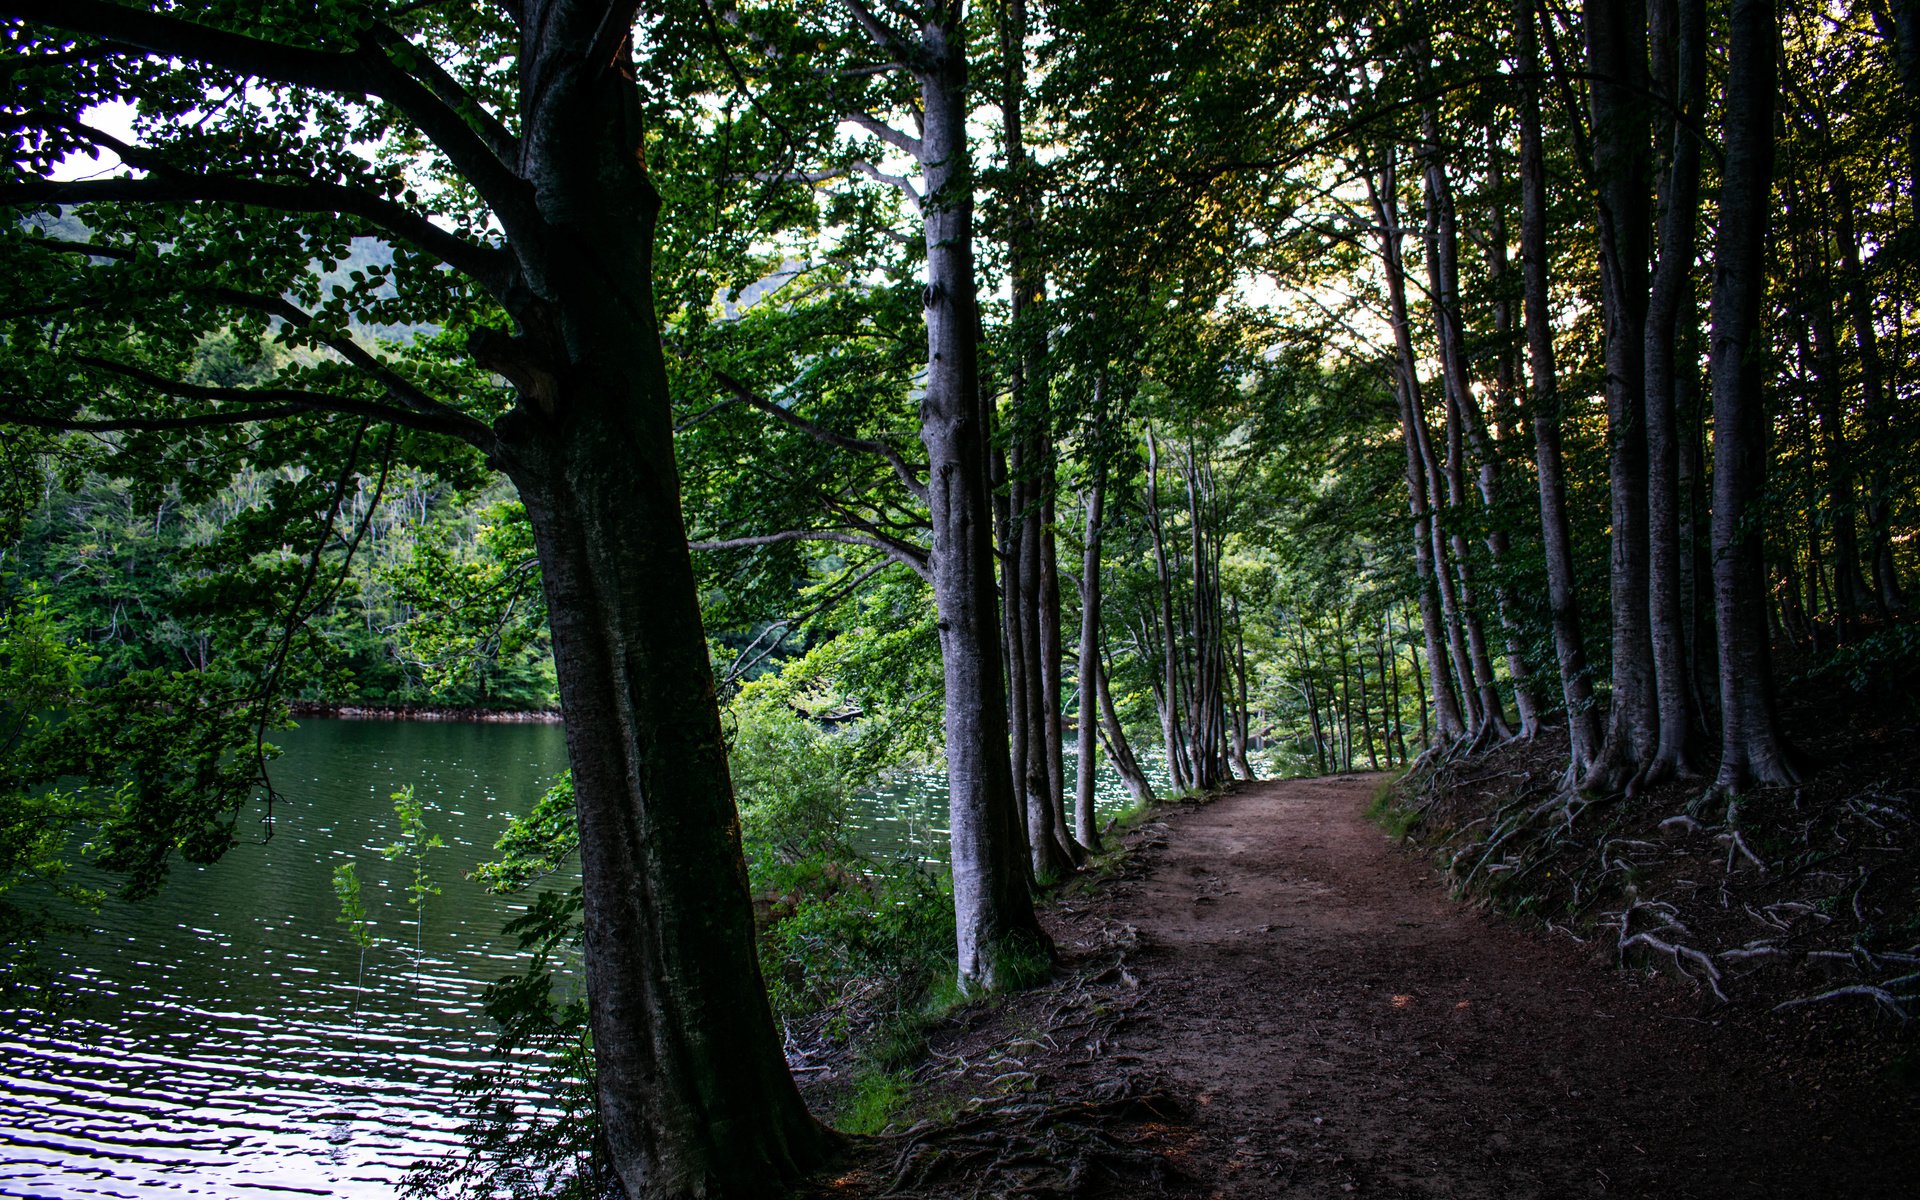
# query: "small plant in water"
x,y
412,848
353,914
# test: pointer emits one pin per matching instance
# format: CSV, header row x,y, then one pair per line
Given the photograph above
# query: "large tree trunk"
x,y
1617,58
694,1096
1576,689
1684,45
992,906
1751,749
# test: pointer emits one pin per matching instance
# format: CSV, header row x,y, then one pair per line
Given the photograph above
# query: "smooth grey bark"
x,y
1752,751
1169,692
1237,747
1617,59
1576,688
1114,737
1509,423
993,907
1681,53
1448,723
1466,425
1033,591
1086,824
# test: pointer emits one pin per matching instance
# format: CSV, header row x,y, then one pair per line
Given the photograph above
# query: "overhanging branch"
x,y
910,557
904,470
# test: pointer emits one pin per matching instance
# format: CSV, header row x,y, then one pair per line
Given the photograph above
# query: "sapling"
x,y
414,844
353,914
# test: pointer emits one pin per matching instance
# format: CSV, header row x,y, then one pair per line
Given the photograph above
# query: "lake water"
x,y
228,1041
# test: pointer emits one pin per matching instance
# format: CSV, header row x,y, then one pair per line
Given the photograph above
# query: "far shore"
x,y
351,711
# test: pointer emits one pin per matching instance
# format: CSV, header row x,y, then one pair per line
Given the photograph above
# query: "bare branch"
x,y
900,182
899,139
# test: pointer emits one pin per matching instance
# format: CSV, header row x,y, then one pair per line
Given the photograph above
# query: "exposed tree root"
x,y
1078,1148
1826,879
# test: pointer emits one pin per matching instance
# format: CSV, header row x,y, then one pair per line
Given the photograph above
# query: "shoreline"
x,y
354,711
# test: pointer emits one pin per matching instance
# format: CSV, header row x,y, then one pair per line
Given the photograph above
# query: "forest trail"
x,y
1342,1027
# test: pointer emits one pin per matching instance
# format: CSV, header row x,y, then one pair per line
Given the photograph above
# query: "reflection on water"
x,y
229,1041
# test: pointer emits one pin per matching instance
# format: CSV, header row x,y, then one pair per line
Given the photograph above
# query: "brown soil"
x,y
1271,1001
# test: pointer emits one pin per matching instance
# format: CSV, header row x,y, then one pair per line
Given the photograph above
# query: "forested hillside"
x,y
1521,395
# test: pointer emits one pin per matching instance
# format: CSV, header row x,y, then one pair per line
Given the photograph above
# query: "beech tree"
x,y
504,153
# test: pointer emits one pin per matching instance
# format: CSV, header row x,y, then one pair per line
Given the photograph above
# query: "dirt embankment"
x,y
1273,1002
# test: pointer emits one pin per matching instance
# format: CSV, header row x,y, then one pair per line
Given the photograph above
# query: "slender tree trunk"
x,y
1752,749
1465,425
1170,724
1366,722
1448,723
1390,669
1118,749
1313,700
1617,58
1888,595
1696,533
992,905
1576,689
1346,695
1509,422
1851,596
1419,685
1051,671
1241,718
1670,302
1085,821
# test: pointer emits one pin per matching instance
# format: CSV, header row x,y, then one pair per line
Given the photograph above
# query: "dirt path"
x,y
1341,1027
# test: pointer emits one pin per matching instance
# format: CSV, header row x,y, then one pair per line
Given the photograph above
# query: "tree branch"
x,y
897,138
885,38
899,552
901,182
11,413
894,458
486,265
280,402
440,108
